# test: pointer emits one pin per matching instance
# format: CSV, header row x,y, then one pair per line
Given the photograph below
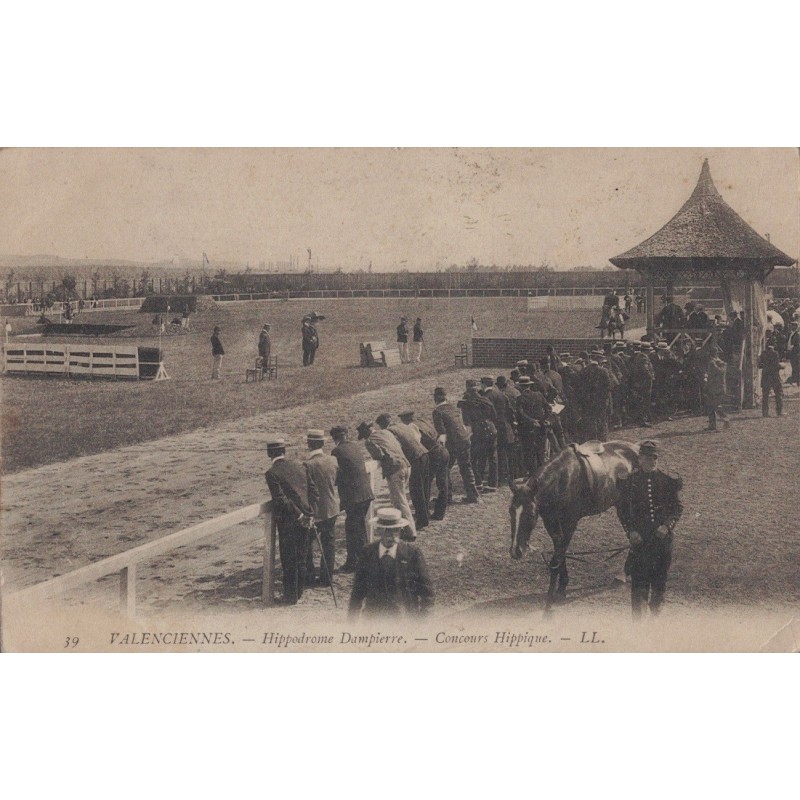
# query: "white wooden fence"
x,y
101,361
126,563
565,303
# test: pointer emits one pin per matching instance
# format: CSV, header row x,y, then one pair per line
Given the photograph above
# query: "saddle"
x,y
597,476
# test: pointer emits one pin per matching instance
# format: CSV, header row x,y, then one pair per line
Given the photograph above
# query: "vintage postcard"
x,y
400,400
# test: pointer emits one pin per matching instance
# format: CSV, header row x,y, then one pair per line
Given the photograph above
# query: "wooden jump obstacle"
x,y
81,360
377,354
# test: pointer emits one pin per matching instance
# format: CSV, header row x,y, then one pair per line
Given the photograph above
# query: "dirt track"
x,y
736,542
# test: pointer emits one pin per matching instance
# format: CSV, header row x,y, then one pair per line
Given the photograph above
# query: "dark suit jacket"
x,y
447,420
288,485
413,582
352,479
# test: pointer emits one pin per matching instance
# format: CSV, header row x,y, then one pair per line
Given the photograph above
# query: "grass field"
x,y
47,420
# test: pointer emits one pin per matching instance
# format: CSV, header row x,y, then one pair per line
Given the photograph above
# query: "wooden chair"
x,y
270,369
462,357
256,372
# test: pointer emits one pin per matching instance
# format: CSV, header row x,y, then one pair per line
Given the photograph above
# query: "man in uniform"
x,y
383,446
770,365
417,456
402,339
438,461
649,508
516,468
310,339
392,577
264,347
288,484
355,494
321,472
480,417
455,437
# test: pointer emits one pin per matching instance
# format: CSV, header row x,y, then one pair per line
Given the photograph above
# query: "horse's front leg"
x,y
557,564
563,574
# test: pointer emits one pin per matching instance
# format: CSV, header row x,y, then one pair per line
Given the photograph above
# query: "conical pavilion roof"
x,y
705,234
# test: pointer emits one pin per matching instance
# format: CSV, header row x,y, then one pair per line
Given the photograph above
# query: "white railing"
x,y
126,563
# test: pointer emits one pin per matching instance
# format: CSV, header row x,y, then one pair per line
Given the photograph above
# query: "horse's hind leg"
x,y
563,574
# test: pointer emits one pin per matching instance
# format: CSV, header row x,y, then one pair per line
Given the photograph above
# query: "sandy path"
x,y
734,545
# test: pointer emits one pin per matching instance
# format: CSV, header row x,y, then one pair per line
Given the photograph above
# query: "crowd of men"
x,y
501,428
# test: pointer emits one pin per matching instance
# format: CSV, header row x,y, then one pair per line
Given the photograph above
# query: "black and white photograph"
x,y
400,399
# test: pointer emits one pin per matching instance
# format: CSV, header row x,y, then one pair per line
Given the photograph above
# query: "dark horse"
x,y
580,481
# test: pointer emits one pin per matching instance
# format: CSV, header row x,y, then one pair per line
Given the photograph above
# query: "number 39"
x,y
71,641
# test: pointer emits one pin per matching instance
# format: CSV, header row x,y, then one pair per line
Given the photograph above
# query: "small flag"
x,y
205,259
474,324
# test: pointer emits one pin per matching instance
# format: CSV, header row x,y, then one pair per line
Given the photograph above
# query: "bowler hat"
x,y
406,415
364,429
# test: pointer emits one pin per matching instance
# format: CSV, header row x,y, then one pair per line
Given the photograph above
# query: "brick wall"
x,y
504,353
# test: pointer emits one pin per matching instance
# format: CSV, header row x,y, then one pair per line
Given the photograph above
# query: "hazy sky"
x,y
413,208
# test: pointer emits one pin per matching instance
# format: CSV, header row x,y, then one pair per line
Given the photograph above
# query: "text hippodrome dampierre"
x,y
286,641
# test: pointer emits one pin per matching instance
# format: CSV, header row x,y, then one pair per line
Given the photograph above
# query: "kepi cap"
x,y
648,448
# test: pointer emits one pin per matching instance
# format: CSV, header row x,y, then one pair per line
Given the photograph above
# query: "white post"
x,y
127,590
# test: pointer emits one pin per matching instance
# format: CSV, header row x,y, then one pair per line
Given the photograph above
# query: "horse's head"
x,y
523,515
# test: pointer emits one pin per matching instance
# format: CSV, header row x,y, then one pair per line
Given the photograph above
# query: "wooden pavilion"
x,y
707,240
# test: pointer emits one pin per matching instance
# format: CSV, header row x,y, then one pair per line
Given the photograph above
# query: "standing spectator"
x,y
628,302
392,577
217,351
639,302
596,386
770,366
438,461
402,339
355,494
714,392
383,446
288,485
532,415
418,340
794,354
417,456
321,472
671,317
640,382
185,318
264,347
455,437
310,340
649,507
480,417
505,425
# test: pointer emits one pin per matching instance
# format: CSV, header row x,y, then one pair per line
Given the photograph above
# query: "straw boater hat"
x,y
645,346
524,381
275,444
662,346
315,435
389,517
522,363
487,381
